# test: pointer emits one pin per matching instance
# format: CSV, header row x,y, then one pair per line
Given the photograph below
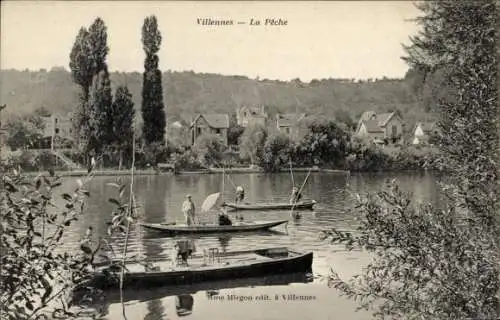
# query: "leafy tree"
x,y
252,143
101,101
87,60
277,152
324,143
98,41
433,263
97,130
122,120
210,148
234,131
153,108
80,62
23,132
343,116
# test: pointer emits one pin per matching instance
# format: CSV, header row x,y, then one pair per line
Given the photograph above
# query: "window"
x,y
394,131
55,120
287,130
217,131
57,130
198,131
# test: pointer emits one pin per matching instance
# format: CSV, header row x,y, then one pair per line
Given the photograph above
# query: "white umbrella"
x,y
210,202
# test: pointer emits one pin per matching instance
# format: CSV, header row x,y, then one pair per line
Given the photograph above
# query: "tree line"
x,y
104,123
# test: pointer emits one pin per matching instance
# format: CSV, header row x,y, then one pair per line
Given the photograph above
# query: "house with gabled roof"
x,y
289,123
212,123
381,126
422,131
248,115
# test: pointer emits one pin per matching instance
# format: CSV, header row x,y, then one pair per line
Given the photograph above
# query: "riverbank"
x,y
146,172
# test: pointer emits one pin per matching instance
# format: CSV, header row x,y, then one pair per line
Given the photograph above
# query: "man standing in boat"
x,y
189,210
240,194
296,196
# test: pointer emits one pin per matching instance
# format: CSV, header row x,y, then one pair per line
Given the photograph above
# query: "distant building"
x,y
58,129
248,115
422,131
289,123
380,126
217,124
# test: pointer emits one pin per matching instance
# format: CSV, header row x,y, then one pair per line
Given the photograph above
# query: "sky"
x,y
334,39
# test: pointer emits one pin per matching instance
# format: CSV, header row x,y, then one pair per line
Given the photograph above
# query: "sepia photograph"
x,y
269,160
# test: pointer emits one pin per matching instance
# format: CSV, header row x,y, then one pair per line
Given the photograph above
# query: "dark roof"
x,y
218,121
382,119
372,126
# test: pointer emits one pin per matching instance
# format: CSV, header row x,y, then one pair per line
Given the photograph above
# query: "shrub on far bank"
x,y
324,144
277,151
186,160
210,149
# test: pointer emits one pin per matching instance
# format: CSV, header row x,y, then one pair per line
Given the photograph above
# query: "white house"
x,y
380,126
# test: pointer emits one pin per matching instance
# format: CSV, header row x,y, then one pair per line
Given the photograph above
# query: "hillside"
x,y
189,92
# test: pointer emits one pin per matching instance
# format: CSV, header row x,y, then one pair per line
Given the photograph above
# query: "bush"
x,y
325,143
277,151
186,160
209,149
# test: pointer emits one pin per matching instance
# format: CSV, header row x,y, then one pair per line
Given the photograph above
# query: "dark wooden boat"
x,y
302,205
228,265
212,228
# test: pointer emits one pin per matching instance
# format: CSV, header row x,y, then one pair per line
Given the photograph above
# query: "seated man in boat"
x,y
189,210
296,196
240,194
224,219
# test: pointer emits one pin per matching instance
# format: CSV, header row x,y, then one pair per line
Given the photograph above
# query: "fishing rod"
x,y
300,190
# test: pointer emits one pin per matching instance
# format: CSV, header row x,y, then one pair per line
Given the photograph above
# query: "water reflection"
x,y
224,242
161,198
156,310
184,305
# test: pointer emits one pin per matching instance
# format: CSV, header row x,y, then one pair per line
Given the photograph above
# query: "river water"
x,y
160,199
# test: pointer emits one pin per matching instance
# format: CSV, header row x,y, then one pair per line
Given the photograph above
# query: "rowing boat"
x,y
306,204
225,266
212,228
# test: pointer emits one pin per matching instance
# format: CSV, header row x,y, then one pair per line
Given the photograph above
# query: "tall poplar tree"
x,y
153,108
89,71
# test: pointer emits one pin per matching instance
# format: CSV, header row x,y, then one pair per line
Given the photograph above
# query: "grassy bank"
x,y
151,172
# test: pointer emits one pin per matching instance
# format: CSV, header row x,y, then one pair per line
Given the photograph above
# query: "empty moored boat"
x,y
219,266
212,228
306,204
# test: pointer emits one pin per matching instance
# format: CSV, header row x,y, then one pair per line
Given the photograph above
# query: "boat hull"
x,y
303,205
204,229
297,263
